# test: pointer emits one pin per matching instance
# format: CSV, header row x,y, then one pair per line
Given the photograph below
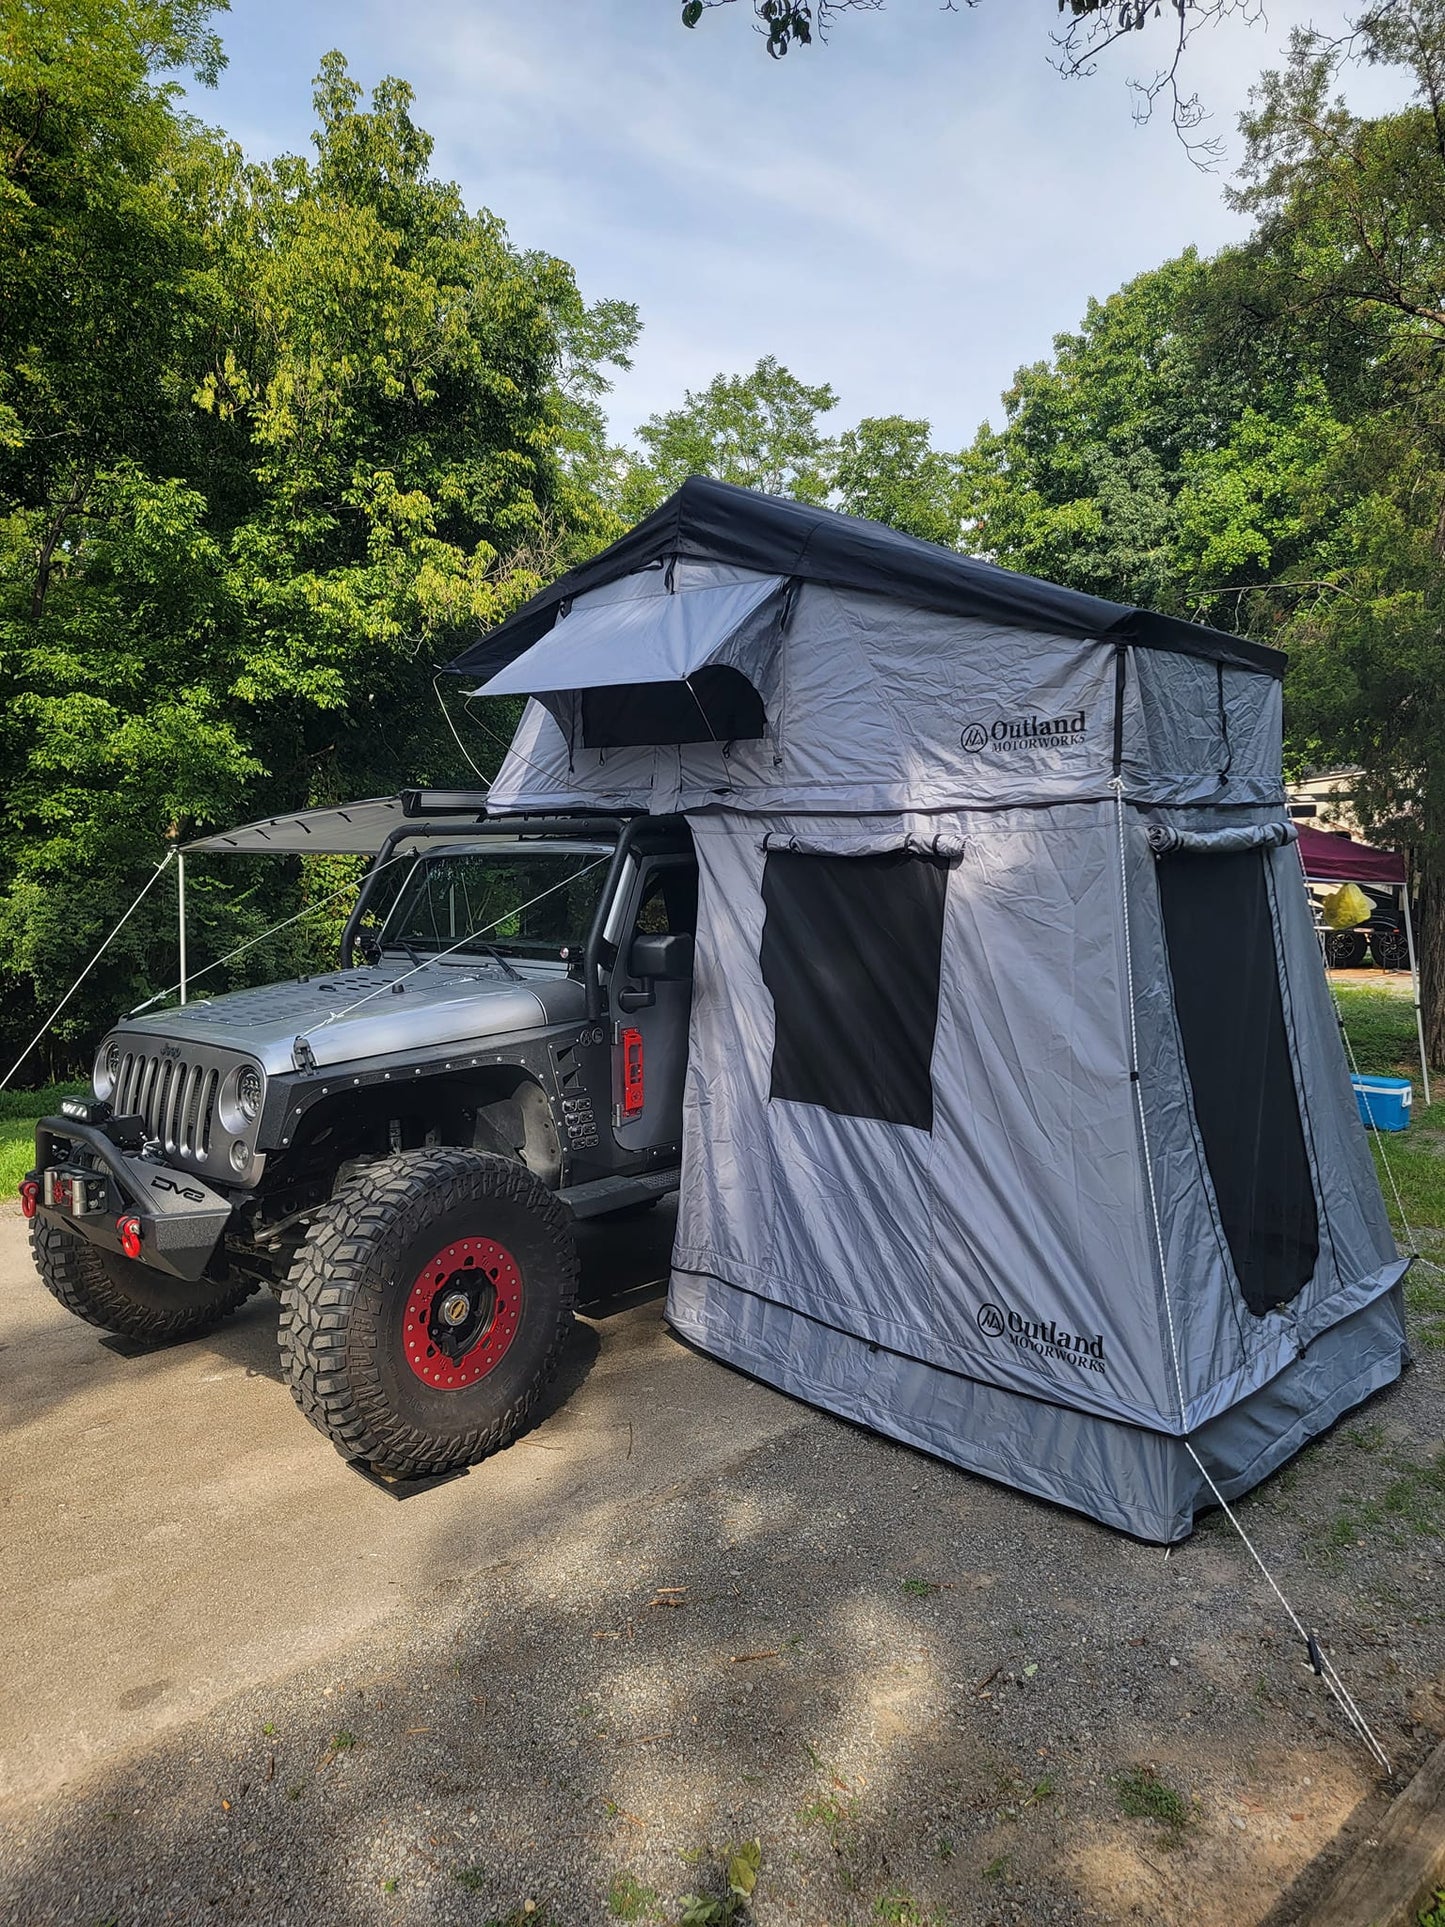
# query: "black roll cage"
x,y
624,828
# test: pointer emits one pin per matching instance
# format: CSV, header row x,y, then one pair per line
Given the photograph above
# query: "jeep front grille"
x,y
177,1100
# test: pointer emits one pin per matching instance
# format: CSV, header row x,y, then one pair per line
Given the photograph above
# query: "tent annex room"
x,y
1017,1124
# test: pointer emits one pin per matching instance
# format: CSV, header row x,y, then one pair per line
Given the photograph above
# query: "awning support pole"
x,y
1415,991
181,916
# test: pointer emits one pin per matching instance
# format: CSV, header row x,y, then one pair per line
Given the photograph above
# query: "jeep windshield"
x,y
536,901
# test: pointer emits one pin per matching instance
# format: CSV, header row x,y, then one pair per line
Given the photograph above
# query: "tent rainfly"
x,y
1016,1123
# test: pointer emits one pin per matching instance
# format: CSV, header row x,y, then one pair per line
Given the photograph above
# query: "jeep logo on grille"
x,y
170,1052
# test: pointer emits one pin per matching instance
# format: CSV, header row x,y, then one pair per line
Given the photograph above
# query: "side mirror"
x,y
667,956
368,942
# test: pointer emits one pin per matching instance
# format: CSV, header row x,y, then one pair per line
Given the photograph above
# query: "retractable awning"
x,y
342,829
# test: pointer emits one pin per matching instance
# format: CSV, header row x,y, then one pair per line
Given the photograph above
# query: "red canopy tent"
x,y
1329,856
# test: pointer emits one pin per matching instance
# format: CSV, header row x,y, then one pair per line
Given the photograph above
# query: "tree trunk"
x,y
50,542
1430,941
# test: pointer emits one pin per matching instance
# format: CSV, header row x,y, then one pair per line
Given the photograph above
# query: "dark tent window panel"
x,y
851,953
1231,1014
714,705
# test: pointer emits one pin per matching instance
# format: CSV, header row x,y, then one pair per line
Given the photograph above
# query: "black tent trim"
x,y
707,521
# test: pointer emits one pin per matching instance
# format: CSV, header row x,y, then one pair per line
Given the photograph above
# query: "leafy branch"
x,y
1093,27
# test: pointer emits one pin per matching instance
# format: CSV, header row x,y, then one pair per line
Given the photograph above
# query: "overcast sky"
x,y
909,212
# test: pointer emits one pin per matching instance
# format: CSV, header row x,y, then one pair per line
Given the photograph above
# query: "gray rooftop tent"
x,y
1017,1124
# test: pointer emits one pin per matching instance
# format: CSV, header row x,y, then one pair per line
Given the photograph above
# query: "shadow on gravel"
x,y
929,1700
51,1357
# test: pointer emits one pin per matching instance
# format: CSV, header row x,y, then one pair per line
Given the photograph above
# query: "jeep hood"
x,y
350,1016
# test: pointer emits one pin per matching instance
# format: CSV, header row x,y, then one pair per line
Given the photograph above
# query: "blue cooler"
x,y
1384,1102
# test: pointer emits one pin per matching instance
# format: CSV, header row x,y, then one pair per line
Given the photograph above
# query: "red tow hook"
x,y
29,1196
130,1238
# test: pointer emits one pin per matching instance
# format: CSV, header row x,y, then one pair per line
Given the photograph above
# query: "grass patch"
x,y
1142,1795
18,1113
628,1899
898,1908
1380,1025
473,1879
828,1812
41,1103
1426,1298
1414,1500
17,1152
1417,1167
1432,1914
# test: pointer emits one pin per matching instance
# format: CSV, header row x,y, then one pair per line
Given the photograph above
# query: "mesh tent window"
x,y
1225,971
851,952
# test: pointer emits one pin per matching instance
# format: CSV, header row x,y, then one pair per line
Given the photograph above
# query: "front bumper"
x,y
181,1217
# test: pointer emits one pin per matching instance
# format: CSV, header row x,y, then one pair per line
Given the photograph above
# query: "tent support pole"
x,y
1415,992
181,918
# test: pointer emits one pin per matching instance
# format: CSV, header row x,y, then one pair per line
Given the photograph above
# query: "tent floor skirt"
x,y
1144,1483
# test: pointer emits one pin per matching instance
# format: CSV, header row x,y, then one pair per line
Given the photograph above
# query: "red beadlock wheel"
x,y
463,1313
426,1311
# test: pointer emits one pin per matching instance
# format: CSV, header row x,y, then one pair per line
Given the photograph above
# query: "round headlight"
x,y
106,1069
249,1091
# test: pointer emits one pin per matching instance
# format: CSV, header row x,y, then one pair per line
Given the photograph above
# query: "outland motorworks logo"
x,y
1023,732
1043,1336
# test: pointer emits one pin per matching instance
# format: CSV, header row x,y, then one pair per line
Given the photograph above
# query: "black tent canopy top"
x,y
707,521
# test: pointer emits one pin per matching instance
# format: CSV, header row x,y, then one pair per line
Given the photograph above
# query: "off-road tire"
x,y
126,1297
343,1309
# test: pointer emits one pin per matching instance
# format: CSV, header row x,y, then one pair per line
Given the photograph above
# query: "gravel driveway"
x,y
241,1684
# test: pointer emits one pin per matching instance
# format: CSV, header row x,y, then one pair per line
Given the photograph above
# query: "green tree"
x,y
759,430
275,439
1258,440
888,469
1080,484
416,397
1350,242
112,610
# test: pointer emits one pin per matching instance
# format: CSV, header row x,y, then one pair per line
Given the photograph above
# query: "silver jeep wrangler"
x,y
398,1148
